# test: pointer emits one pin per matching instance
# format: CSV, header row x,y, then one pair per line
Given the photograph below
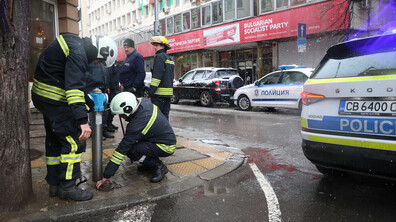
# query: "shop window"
x,y
162,27
186,21
243,8
217,12
282,3
206,15
42,30
195,18
178,23
229,6
298,2
266,6
169,26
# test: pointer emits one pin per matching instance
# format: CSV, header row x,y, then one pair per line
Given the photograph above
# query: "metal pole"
x,y
156,22
97,167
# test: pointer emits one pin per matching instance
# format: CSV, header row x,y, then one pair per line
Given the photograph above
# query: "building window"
x,y
178,23
177,2
195,18
243,8
282,3
186,21
146,11
169,26
42,30
217,12
298,2
162,26
206,16
266,6
229,12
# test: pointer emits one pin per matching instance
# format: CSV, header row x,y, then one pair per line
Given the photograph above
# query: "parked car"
x,y
348,118
208,85
276,89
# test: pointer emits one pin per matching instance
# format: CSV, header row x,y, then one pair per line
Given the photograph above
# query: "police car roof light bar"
x,y
284,67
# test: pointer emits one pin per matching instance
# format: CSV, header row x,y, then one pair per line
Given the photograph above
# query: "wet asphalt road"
x,y
273,143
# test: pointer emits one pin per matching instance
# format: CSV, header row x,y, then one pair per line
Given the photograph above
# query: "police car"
x,y
277,89
349,114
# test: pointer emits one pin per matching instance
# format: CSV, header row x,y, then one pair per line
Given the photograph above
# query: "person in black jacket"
x,y
132,71
58,92
114,90
148,136
161,87
98,77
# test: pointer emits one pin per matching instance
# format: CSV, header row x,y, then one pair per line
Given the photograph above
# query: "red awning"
x,y
121,56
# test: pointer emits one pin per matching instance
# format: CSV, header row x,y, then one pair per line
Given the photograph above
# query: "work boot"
x,y
110,129
53,190
159,172
107,135
114,126
142,167
69,191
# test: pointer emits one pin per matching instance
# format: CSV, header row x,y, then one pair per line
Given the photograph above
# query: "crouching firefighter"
x,y
148,136
58,93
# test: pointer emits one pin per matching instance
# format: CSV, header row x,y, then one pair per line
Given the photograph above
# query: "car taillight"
x,y
217,82
309,98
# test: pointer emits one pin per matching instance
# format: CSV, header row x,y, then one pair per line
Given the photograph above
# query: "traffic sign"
x,y
302,30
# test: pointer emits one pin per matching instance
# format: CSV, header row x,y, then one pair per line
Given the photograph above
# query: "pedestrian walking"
x,y
58,93
132,71
148,136
161,87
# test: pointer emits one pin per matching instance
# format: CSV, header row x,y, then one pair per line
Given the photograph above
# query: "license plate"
x,y
368,108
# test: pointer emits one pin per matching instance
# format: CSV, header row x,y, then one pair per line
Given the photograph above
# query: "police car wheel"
x,y
205,99
244,103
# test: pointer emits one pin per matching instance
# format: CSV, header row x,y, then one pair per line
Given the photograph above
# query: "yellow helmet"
x,y
160,40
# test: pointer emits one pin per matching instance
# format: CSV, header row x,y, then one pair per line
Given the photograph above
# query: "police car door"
x,y
265,91
289,90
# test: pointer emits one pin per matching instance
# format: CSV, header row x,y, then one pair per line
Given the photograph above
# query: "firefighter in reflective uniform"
x,y
57,92
148,136
161,87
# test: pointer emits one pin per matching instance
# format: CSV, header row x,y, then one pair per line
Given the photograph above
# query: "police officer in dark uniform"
x,y
132,72
161,87
58,92
148,137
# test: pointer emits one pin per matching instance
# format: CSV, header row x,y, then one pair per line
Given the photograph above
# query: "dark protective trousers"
x,y
146,153
63,150
163,104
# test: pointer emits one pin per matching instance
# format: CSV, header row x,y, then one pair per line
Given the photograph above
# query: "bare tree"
x,y
15,172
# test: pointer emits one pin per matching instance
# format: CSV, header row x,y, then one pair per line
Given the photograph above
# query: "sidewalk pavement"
x,y
193,163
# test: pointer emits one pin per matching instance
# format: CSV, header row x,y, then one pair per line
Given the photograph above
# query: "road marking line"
x,y
272,201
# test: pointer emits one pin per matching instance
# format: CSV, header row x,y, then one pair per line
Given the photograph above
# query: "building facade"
x,y
253,36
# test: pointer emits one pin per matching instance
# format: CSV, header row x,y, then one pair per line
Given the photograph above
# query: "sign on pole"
x,y
302,37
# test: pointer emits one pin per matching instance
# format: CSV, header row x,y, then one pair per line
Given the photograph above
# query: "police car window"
x,y
294,77
188,76
363,65
270,79
199,74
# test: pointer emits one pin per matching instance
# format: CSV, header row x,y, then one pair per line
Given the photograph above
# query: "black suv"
x,y
208,85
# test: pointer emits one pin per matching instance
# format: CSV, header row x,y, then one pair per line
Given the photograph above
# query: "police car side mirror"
x,y
256,83
180,80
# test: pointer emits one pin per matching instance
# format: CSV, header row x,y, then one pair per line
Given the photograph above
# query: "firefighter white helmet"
x,y
124,103
107,49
